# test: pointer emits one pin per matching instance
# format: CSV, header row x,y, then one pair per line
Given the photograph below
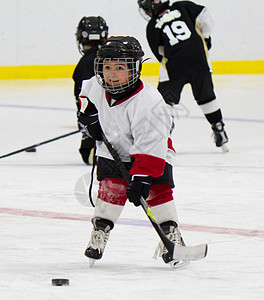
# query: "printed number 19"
x,y
180,29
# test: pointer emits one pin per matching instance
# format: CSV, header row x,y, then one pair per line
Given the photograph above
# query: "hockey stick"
x,y
176,252
39,144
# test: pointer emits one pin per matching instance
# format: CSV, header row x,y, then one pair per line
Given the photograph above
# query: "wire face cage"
x,y
116,75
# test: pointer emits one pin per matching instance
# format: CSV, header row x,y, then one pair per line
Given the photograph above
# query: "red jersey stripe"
x,y
170,145
147,165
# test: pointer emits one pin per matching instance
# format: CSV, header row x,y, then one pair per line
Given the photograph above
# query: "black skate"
x,y
99,238
172,232
220,136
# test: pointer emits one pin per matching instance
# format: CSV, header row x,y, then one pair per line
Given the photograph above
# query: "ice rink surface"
x,y
219,198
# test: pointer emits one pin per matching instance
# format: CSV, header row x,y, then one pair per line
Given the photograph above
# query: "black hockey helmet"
x,y
121,46
153,7
93,30
120,49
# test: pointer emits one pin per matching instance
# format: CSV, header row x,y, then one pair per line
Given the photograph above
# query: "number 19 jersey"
x,y
176,38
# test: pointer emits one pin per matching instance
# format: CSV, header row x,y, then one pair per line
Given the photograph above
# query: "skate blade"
x,y
92,262
179,264
225,148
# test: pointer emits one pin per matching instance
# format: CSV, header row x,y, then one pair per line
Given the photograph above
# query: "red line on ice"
x,y
77,217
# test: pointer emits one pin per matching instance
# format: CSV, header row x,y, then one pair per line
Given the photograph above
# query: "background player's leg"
x,y
203,90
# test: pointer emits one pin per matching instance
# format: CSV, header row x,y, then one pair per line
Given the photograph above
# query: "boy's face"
x,y
116,72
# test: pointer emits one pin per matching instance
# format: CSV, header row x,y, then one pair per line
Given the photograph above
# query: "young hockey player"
x,y
135,119
179,37
91,33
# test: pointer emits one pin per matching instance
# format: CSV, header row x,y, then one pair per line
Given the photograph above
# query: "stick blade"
x,y
225,148
190,253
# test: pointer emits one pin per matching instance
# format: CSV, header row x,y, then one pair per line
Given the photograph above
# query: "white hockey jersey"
x,y
137,126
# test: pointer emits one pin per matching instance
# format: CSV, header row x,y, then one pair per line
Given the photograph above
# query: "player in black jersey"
x,y
179,37
91,33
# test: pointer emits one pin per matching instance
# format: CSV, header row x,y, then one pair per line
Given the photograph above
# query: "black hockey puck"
x,y
33,149
60,281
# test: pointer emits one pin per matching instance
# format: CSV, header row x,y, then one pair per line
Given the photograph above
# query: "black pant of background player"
x,y
202,89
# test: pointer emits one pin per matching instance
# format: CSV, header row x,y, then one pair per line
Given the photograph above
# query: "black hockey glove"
x,y
208,43
90,125
139,186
